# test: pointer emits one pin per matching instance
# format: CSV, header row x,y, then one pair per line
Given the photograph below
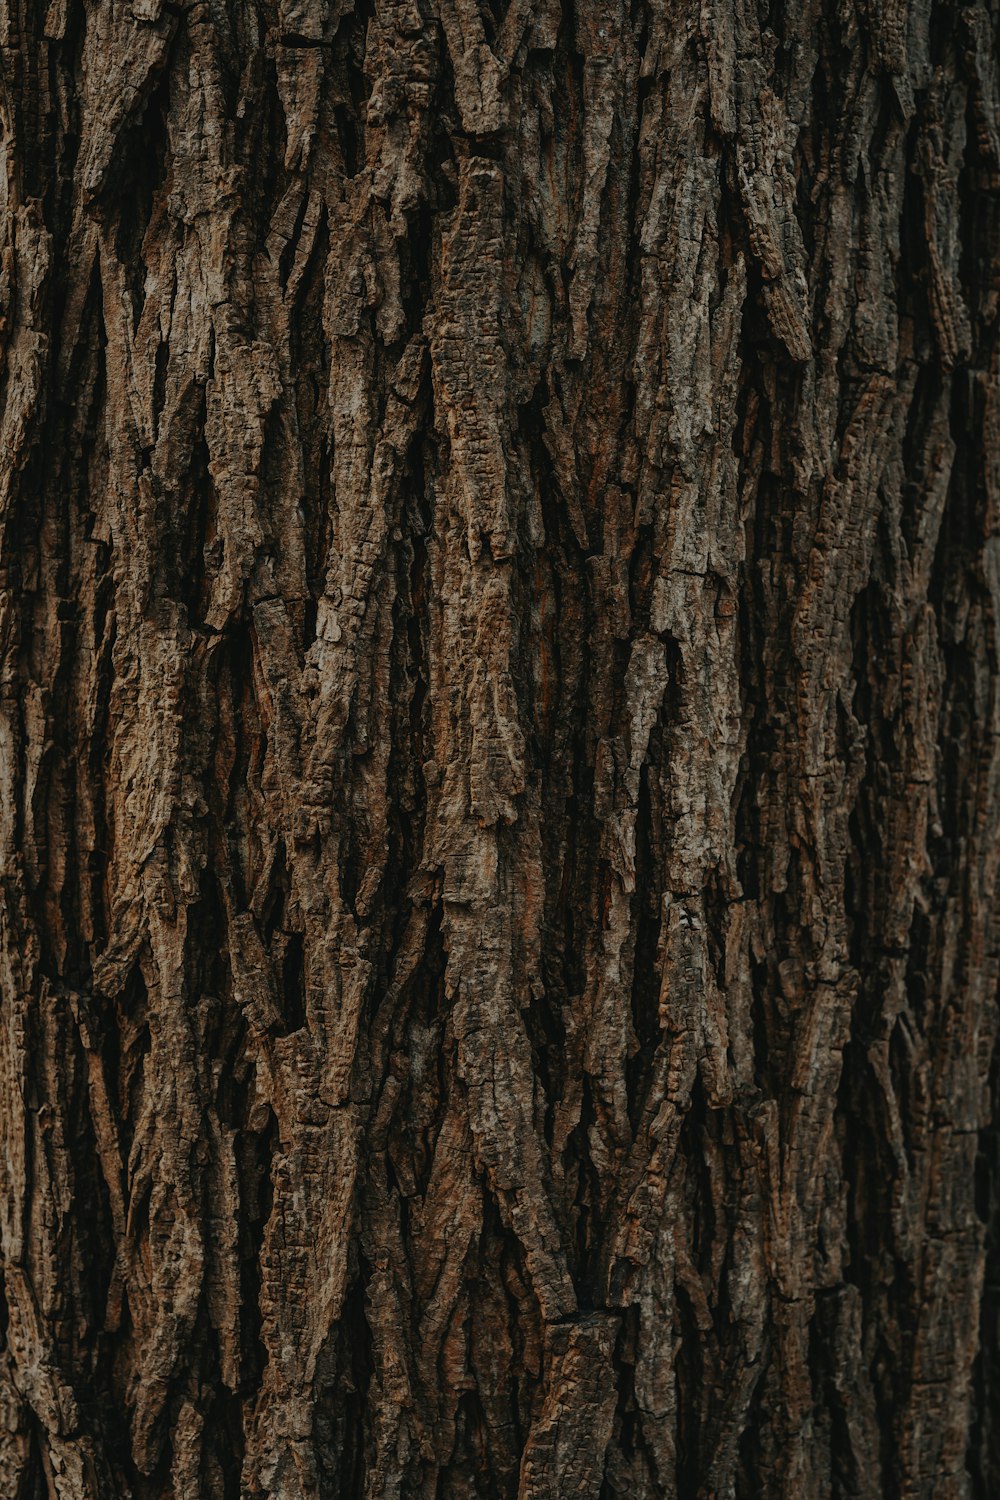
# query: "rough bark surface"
x,y
499,749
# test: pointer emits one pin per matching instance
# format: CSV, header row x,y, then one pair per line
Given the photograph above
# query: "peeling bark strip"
x,y
499,749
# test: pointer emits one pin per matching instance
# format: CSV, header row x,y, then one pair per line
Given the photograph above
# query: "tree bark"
x,y
499,749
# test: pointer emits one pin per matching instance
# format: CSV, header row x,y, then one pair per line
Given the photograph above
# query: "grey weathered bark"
x,y
500,749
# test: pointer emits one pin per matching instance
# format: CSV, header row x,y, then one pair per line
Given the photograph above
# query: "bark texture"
x,y
499,749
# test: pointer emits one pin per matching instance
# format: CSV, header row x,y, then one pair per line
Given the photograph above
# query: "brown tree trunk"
x,y
499,749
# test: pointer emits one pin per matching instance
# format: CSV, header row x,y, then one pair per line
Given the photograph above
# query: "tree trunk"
x,y
499,750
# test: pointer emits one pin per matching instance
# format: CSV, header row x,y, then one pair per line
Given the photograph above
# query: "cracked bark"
x,y
499,749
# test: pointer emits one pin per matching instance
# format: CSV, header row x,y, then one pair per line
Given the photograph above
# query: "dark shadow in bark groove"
x,y
649,900
293,984
418,1036
243,743
138,177
193,568
344,1373
255,1151
222,1435
34,1481
125,1052
586,1216
628,1433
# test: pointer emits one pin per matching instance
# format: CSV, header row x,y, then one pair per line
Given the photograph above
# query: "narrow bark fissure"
x,y
255,1150
343,1386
